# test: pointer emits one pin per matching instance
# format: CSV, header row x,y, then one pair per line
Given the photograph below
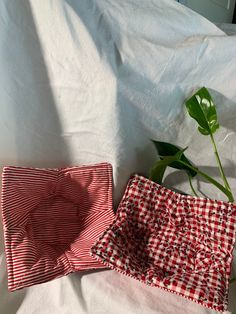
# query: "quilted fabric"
x,y
51,219
180,243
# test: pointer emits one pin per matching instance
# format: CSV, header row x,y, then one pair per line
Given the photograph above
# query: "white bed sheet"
x,y
89,81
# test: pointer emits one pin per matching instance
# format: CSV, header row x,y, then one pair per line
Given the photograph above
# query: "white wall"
x,y
220,11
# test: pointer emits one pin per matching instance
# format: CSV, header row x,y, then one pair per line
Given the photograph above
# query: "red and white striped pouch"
x,y
179,243
51,219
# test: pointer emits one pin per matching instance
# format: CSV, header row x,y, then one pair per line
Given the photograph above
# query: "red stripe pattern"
x,y
179,243
51,219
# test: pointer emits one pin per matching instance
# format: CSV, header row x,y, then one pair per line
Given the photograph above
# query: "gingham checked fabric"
x,y
51,219
176,242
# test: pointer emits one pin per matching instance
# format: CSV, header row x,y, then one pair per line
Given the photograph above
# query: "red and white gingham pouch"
x,y
51,219
179,243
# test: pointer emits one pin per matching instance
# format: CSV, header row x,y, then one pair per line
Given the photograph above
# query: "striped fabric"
x,y
51,219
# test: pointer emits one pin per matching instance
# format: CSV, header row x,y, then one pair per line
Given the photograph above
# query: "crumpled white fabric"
x,y
89,81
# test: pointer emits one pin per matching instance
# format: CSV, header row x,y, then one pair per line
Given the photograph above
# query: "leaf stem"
x,y
191,185
232,280
211,180
220,165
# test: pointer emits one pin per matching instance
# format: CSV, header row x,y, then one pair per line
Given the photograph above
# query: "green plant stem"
x,y
232,280
191,185
211,180
219,164
218,185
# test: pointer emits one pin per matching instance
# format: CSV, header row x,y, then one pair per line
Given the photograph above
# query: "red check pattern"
x,y
179,243
51,219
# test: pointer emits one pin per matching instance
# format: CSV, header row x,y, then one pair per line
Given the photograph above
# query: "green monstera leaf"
x,y
170,156
202,108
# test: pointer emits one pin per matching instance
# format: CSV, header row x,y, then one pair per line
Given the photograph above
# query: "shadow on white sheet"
x,y
31,131
30,127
